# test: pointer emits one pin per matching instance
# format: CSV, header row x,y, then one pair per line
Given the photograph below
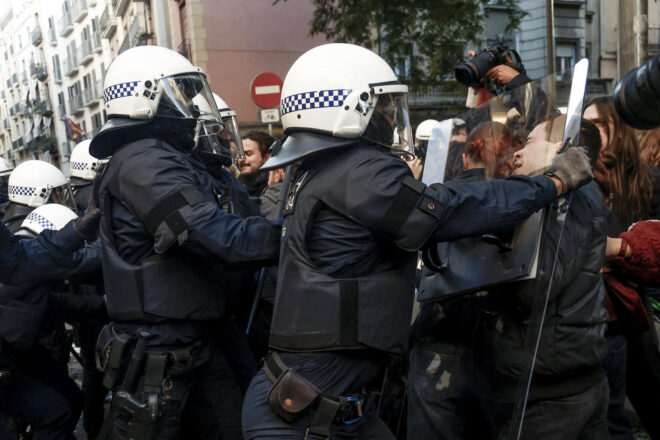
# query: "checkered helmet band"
x,y
80,166
40,220
313,100
119,90
21,190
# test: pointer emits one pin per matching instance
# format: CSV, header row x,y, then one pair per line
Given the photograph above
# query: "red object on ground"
x,y
266,89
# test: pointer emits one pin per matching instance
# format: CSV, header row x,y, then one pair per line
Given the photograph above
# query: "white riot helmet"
x,y
336,93
83,164
230,132
51,216
149,81
423,132
34,182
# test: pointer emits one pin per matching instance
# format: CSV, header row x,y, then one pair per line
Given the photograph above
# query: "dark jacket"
x,y
204,239
572,340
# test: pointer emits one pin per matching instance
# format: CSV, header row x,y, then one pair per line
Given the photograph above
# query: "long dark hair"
x,y
621,173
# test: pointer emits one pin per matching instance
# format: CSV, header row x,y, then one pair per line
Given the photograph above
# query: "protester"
x,y
631,189
255,145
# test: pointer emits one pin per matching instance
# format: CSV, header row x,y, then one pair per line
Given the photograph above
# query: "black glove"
x,y
88,225
572,168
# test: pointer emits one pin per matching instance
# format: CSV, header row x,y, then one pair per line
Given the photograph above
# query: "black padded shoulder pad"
x,y
167,210
403,205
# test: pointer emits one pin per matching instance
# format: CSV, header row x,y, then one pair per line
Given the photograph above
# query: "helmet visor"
x,y
63,195
390,124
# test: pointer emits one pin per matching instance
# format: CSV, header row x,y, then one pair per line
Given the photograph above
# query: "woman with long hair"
x,y
631,189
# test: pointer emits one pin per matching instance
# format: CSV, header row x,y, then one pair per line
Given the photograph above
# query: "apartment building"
x,y
55,56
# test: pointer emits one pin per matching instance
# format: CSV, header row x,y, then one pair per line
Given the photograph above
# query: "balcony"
x,y
38,70
79,10
37,38
45,108
91,95
76,104
65,24
71,67
96,42
87,52
119,7
108,24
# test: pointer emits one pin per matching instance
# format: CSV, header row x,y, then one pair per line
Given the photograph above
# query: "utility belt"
x,y
292,395
124,359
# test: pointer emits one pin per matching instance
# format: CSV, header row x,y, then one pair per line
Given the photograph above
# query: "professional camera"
x,y
472,72
637,96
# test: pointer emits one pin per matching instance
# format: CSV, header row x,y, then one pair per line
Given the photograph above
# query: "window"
x,y
565,55
57,72
402,67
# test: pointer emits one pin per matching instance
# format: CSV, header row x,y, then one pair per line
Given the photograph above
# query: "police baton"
x,y
286,184
135,364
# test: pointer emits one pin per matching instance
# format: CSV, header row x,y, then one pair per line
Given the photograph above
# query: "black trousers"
x,y
206,400
332,373
42,394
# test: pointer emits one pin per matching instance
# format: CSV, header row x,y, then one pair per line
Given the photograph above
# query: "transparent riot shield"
x,y
500,281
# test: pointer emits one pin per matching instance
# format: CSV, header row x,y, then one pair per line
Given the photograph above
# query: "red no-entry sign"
x,y
266,89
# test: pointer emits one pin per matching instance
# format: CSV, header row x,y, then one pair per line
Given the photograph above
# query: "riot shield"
x,y
500,280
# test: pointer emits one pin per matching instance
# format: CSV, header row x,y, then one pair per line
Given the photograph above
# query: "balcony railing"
x,y
108,24
91,95
37,38
435,95
44,108
76,103
39,71
79,10
65,24
119,7
87,52
71,64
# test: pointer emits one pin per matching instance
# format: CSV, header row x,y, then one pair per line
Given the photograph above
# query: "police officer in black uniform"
x,y
353,219
164,237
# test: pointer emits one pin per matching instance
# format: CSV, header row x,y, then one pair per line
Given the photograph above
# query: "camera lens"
x,y
471,72
637,96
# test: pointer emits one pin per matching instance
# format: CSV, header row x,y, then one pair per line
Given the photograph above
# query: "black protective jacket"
x,y
166,235
353,221
572,341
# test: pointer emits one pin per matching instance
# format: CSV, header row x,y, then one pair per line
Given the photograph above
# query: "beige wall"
x,y
240,39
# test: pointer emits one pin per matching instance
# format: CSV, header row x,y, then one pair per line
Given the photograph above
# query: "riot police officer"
x,y
31,184
353,220
166,232
34,387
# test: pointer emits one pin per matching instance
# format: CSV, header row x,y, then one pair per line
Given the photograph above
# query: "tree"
x,y
440,30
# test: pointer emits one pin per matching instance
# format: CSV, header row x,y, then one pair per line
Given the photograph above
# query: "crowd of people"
x,y
226,286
